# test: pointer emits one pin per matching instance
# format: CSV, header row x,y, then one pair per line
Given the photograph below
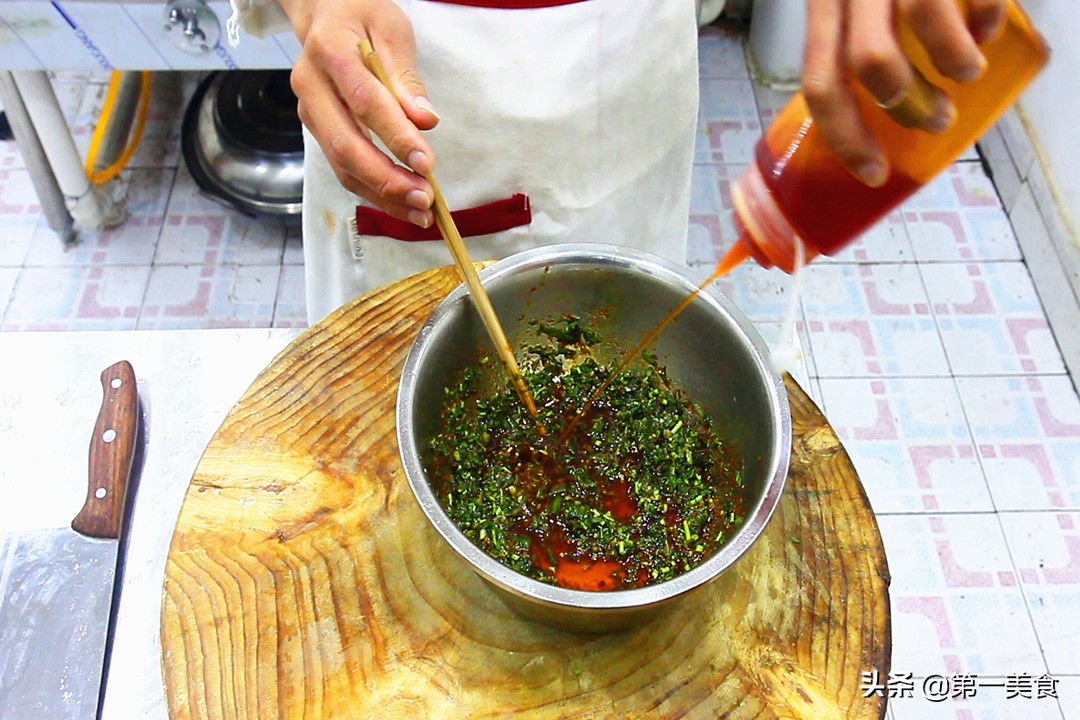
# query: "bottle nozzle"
x,y
732,258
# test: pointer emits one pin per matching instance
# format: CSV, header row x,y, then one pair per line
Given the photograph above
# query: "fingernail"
x,y
973,72
873,174
418,199
980,32
986,29
416,217
424,104
420,162
944,115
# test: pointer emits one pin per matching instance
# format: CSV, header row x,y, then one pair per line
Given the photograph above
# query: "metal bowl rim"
x,y
611,256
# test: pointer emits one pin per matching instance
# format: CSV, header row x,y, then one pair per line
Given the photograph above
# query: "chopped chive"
x,y
639,463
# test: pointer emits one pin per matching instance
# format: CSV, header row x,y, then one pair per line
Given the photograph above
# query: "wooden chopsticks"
x,y
464,263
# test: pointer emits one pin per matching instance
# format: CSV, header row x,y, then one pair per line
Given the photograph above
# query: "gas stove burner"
x,y
242,142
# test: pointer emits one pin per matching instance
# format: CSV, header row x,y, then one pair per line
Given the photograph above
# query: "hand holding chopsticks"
x,y
464,263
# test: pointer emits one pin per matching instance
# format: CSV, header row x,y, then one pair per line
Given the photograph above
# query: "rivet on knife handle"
x,y
112,449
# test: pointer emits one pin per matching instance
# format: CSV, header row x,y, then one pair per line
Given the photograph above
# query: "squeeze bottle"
x,y
797,188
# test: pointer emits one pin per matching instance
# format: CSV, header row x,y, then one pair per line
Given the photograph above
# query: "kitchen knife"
x,y
56,585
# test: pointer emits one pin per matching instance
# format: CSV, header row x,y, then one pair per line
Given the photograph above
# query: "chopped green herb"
x,y
640,489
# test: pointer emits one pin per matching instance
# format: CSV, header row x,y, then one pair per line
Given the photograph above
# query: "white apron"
x,y
588,109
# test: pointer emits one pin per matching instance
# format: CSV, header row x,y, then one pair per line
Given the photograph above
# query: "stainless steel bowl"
x,y
712,352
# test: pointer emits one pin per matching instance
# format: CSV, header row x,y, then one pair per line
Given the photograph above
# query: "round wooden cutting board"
x,y
303,582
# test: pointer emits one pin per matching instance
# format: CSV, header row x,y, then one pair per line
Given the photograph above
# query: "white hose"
x,y
89,208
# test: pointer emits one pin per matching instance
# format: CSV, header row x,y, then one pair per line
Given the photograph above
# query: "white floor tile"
x,y
991,319
1046,549
144,194
712,231
910,443
958,216
103,297
294,247
1027,432
210,296
808,354
10,157
720,53
764,295
1007,180
160,143
202,231
870,320
728,115
8,277
1017,140
956,604
87,114
770,101
19,215
1048,272
991,702
885,242
69,89
1069,696
815,392
290,309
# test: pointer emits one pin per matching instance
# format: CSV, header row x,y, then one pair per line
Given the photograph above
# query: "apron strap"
x,y
486,219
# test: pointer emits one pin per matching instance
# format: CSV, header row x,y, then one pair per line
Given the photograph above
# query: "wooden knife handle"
x,y
112,449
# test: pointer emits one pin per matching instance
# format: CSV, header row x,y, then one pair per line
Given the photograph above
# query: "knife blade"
x,y
56,584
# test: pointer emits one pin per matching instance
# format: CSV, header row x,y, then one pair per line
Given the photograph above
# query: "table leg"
x,y
37,164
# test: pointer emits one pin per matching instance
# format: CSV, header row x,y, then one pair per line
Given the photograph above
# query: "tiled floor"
x,y
925,343
179,260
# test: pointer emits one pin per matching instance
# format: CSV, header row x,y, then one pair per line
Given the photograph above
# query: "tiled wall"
x,y
1050,246
1050,107
36,35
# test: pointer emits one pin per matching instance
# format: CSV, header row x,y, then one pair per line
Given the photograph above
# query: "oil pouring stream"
x,y
736,255
464,263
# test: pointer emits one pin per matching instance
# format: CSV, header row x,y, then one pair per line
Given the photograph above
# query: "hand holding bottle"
x,y
859,141
856,42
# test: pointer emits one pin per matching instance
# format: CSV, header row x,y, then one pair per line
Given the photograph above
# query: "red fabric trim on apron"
x,y
510,4
486,219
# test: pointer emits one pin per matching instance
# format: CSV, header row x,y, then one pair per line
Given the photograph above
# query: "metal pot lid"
x,y
242,141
